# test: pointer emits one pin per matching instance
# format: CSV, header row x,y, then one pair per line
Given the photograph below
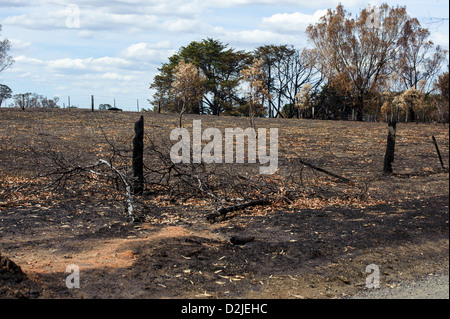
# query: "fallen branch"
x,y
241,240
66,173
221,212
346,180
127,189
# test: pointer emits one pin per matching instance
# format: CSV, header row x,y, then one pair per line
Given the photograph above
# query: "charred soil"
x,y
316,246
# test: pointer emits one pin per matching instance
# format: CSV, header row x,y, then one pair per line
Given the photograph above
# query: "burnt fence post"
x,y
438,152
138,157
390,147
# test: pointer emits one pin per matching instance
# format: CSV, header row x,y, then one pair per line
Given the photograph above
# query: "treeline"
x,y
378,65
33,100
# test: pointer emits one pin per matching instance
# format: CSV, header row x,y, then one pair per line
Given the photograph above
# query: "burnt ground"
x,y
316,248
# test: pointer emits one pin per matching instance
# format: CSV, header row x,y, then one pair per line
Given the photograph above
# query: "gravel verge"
x,y
430,287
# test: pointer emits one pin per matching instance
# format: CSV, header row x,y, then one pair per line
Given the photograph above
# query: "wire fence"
x,y
125,104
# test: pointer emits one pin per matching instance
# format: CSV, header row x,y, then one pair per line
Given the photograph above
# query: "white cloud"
x,y
67,63
257,37
21,59
86,34
116,76
148,52
280,28
104,63
279,3
174,16
440,39
181,25
24,75
18,44
89,19
50,19
100,20
291,22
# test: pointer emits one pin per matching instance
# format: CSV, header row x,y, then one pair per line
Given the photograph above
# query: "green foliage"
x,y
220,66
348,70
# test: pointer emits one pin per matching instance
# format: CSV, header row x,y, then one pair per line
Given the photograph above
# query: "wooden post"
x,y
69,102
438,152
138,156
390,147
92,103
137,103
23,102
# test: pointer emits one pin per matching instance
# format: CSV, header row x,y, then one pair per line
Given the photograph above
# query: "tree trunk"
x,y
390,147
360,108
138,156
360,113
412,115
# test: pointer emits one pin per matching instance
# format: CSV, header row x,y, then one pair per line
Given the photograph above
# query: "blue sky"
x,y
118,45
